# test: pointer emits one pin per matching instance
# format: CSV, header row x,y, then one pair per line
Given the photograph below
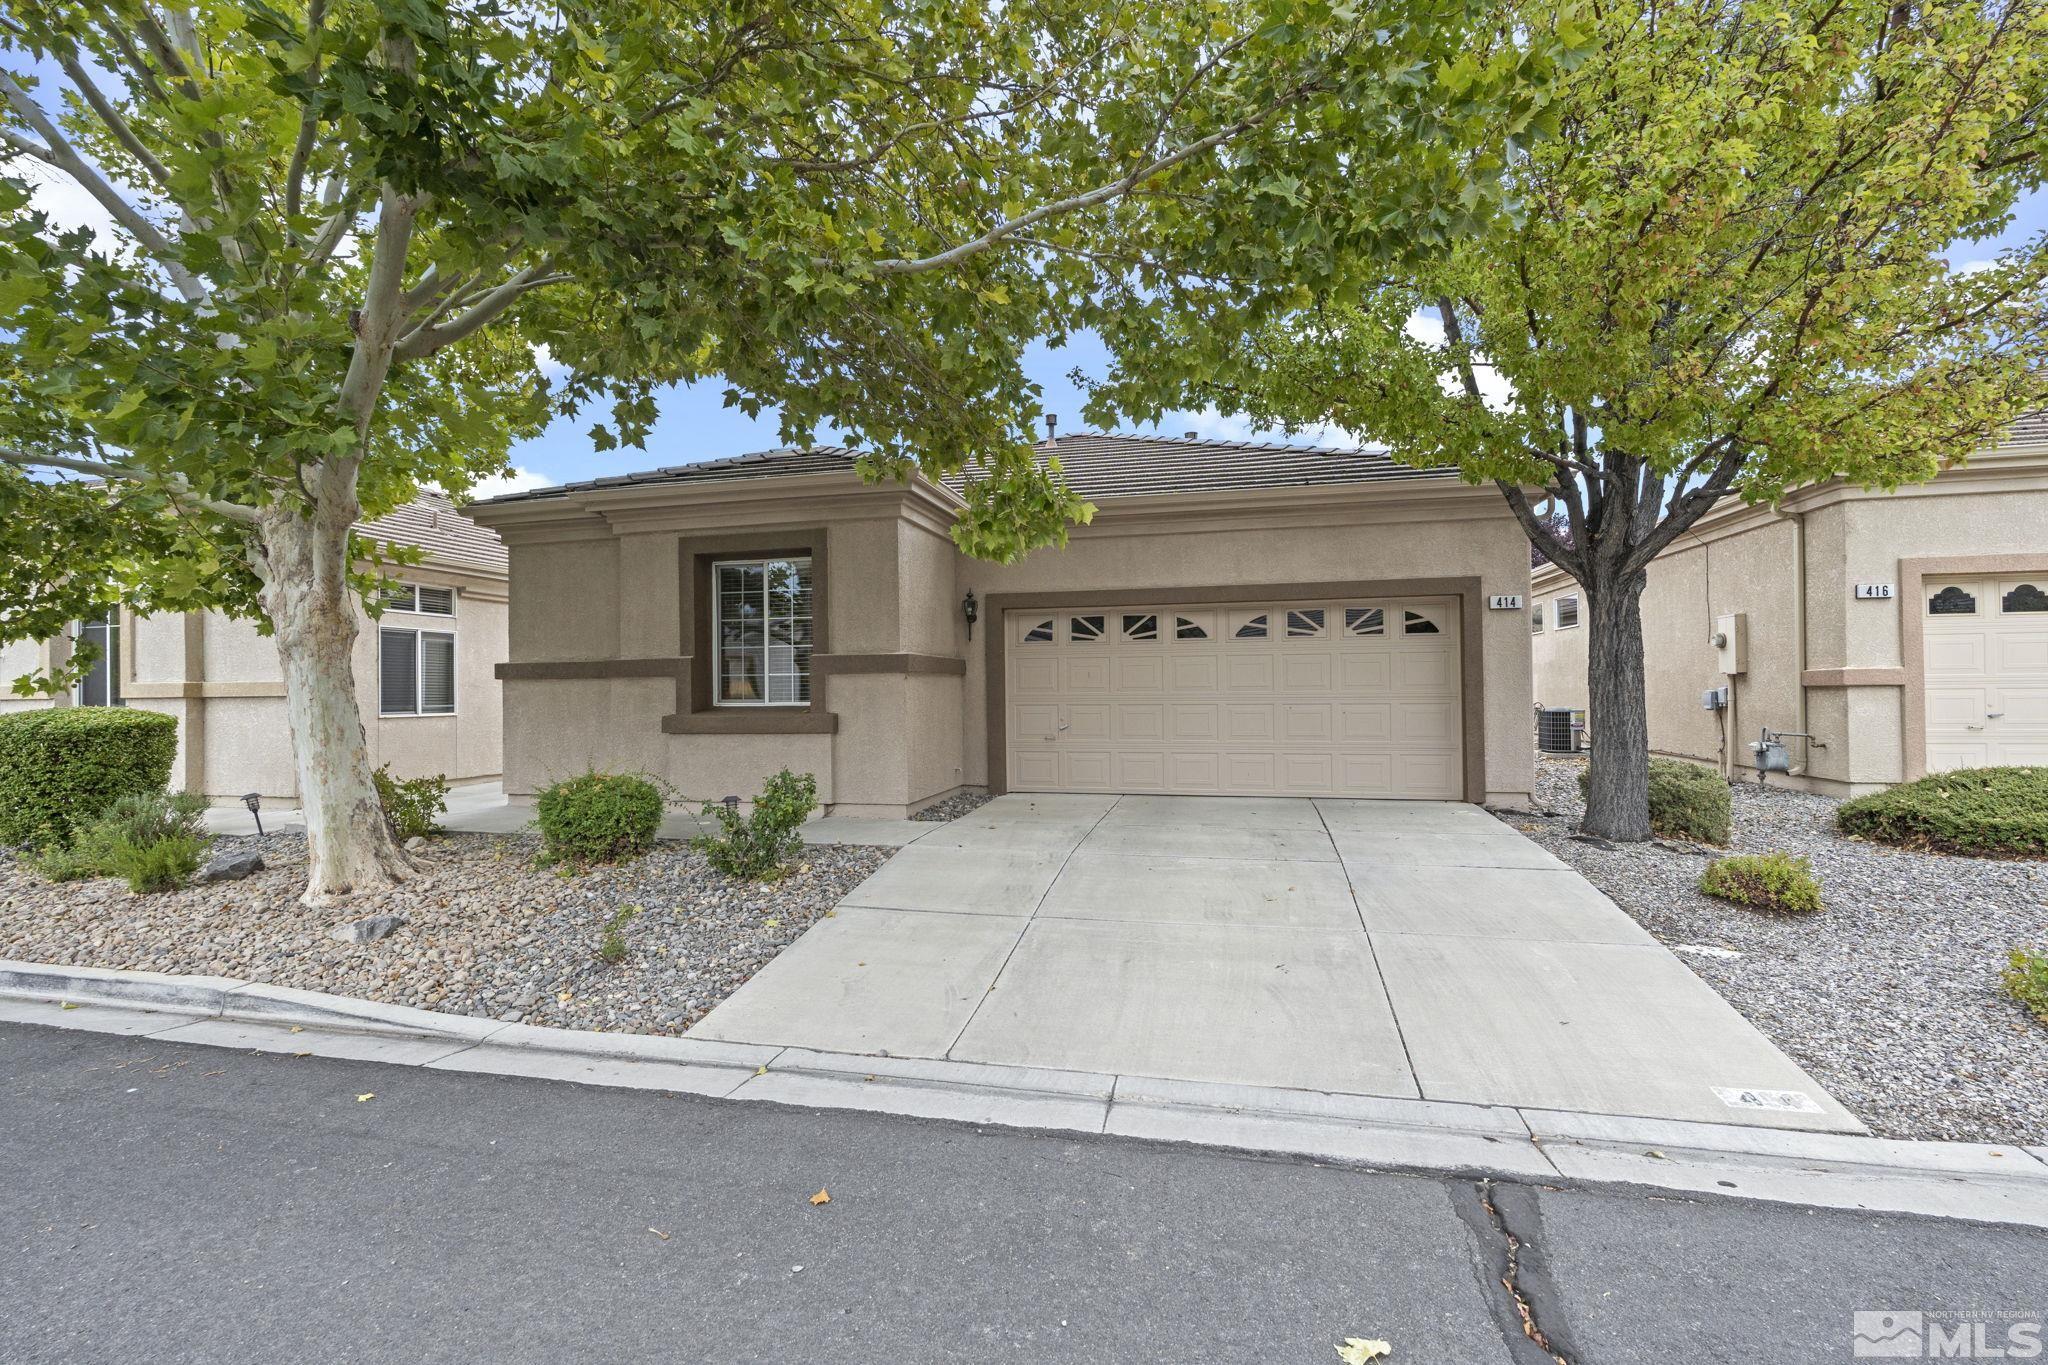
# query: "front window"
x,y
763,627
101,686
416,672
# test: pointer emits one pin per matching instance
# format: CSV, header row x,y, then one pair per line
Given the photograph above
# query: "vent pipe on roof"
x,y
1052,426
1190,435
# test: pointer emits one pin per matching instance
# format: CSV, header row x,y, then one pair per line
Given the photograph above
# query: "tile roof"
x,y
431,522
1096,464
2029,430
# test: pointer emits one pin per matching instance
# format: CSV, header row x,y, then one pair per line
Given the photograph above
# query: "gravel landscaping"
x,y
953,807
1889,997
490,935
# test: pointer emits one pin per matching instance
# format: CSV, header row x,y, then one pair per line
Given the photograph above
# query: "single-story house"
x,y
1907,632
424,677
1238,619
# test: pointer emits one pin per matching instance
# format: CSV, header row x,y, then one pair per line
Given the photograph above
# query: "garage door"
x,y
1330,698
1987,672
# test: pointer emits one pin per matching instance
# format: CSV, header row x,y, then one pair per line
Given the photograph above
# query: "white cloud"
x,y
1973,267
69,206
517,479
550,368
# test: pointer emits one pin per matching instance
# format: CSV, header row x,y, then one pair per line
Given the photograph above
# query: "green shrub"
x,y
2026,980
1764,881
153,840
61,767
1687,801
760,844
1994,812
598,818
612,947
413,806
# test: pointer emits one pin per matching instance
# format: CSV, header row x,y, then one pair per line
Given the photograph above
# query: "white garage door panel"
x,y
1987,672
1327,698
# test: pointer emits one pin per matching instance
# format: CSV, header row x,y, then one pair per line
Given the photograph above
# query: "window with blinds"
x,y
101,685
416,672
419,599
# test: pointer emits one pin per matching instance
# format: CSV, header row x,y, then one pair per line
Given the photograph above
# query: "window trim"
x,y
1557,612
412,607
419,674
810,671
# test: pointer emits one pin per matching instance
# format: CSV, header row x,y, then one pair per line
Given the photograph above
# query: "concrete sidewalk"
x,y
1409,950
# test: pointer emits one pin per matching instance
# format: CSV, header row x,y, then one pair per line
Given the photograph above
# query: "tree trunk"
x,y
303,565
1618,795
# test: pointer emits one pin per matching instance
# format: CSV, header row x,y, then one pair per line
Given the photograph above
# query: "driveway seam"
x,y
1029,919
1372,950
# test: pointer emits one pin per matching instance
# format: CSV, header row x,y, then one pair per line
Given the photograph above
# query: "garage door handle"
x,y
1993,715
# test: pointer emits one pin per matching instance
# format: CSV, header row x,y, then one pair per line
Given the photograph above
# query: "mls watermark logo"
x,y
1893,1335
1909,1334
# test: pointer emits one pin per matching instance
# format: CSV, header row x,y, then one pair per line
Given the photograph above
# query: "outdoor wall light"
x,y
970,609
254,801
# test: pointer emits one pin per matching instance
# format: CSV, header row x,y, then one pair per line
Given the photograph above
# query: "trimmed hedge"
x,y
1764,881
61,767
1687,801
598,818
1990,812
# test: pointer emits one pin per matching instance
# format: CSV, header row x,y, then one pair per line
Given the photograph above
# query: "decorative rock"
x,y
230,867
415,844
367,930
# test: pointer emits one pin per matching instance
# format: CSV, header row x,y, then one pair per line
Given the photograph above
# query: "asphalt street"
x,y
179,1203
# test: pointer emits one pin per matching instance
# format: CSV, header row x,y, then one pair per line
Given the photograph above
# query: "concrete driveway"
x,y
1411,949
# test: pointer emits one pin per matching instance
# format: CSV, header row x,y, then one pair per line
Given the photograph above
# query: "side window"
x,y
1952,601
1567,612
1536,619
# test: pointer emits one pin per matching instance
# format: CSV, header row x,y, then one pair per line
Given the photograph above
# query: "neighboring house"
x,y
1907,631
424,675
1238,619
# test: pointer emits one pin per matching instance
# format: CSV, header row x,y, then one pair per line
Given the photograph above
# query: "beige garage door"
x,y
1987,672
1331,698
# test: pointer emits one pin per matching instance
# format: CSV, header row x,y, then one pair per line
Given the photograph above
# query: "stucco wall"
x,y
911,726
1855,678
1557,658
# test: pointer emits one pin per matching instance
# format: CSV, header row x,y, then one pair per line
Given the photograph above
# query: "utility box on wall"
x,y
1731,643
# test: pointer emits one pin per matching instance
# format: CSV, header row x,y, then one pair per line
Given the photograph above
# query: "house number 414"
x,y
1873,591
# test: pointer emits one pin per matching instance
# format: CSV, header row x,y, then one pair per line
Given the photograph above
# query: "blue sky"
x,y
695,425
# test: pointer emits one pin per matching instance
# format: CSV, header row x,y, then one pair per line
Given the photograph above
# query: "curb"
x,y
1979,1182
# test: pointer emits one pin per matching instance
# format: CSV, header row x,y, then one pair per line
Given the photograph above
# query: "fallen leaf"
x,y
564,997
367,1095
760,1071
297,1029
821,1198
1358,1350
659,1233
67,1005
302,1054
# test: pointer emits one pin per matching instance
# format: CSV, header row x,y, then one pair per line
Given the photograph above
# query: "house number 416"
x,y
1873,591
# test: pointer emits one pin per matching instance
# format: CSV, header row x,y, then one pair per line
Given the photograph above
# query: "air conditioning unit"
x,y
1559,729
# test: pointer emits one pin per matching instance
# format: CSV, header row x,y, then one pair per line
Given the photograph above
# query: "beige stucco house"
x,y
1238,619
1907,631
424,670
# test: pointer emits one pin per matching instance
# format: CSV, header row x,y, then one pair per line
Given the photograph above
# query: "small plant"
x,y
413,806
1687,801
1987,812
154,840
759,845
2026,980
598,818
1764,881
612,947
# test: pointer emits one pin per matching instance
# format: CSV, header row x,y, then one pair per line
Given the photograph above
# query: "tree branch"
x,y
112,473
1102,194
430,337
116,124
62,156
302,150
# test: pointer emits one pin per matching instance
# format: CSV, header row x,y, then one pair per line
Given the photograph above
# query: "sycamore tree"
x,y
1742,264
338,233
